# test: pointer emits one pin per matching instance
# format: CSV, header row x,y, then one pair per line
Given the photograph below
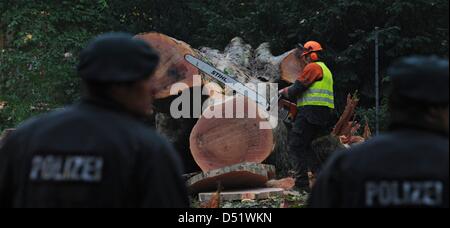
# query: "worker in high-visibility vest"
x,y
313,91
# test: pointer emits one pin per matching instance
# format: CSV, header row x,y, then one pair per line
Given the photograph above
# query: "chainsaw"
x,y
287,111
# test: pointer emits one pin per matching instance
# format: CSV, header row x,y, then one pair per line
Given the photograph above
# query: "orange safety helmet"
x,y
311,47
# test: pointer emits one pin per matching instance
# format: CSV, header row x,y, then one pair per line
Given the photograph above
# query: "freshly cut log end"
x,y
266,66
219,142
173,68
290,67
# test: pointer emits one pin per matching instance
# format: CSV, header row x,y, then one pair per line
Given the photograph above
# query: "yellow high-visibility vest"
x,y
320,93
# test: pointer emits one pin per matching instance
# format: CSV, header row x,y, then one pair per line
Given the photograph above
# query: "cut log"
x,y
173,67
291,67
245,175
270,68
284,68
220,142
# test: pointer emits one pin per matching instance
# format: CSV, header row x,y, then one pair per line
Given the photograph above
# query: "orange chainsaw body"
x,y
290,107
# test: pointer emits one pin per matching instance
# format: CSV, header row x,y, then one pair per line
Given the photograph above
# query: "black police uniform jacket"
x,y
405,168
92,154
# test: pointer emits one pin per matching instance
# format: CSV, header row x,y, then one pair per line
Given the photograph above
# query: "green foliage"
x,y
40,40
37,65
370,114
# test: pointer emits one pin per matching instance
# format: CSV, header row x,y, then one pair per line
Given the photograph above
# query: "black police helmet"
x,y
422,79
116,58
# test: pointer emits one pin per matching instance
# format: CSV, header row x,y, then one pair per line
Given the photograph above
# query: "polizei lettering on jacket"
x,y
66,168
404,193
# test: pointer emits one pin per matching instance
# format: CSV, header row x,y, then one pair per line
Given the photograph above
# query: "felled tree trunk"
x,y
172,67
219,142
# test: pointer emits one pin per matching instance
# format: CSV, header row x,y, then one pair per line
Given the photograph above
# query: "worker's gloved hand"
x,y
283,93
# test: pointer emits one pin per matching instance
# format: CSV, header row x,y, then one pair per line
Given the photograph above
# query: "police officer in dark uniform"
x,y
97,153
407,167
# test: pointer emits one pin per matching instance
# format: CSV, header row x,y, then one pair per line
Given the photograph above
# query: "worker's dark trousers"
x,y
301,136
